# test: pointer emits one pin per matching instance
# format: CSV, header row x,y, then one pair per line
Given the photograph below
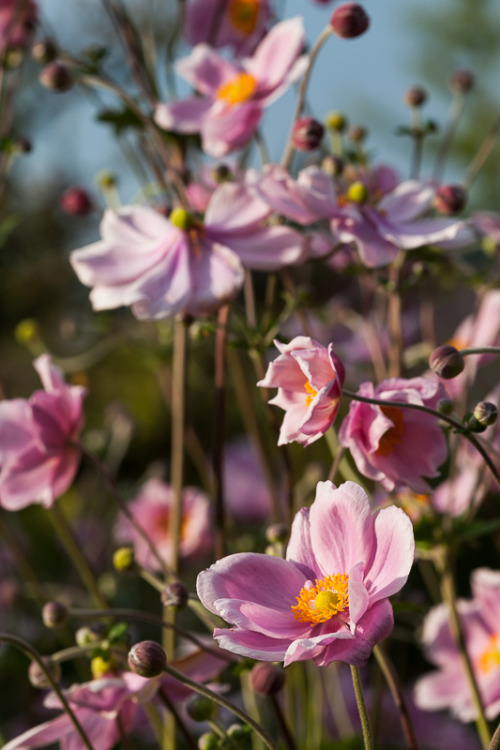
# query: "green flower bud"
x,y
181,219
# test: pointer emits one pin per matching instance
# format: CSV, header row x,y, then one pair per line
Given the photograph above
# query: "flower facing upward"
x,y
309,379
328,601
38,457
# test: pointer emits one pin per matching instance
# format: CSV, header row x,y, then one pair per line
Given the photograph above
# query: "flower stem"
x,y
219,420
203,690
482,155
33,654
392,680
363,713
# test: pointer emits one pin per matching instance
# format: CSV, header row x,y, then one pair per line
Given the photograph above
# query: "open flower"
x,y
309,379
152,509
448,687
395,446
38,455
239,24
233,97
328,601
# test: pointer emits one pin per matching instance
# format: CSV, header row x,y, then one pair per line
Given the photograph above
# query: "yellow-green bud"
x,y
100,667
106,180
200,708
336,121
26,331
358,192
181,219
123,559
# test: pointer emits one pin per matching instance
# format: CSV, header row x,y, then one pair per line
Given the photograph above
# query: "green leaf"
x,y
118,633
119,119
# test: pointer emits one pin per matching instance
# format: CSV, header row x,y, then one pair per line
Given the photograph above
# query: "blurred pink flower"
x,y
18,19
448,687
38,457
233,97
239,24
247,495
328,601
396,447
151,509
309,379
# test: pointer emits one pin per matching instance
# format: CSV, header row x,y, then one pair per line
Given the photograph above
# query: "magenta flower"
x,y
233,97
309,379
239,24
328,601
151,509
448,687
396,447
18,19
38,455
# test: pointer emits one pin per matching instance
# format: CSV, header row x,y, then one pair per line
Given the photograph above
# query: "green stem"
x,y
391,677
480,350
342,466
219,425
363,713
35,656
79,560
203,690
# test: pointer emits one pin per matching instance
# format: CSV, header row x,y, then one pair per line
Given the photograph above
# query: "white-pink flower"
x,y
233,97
239,24
309,379
38,452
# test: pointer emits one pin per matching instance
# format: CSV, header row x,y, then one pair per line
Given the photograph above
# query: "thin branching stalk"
x,y
394,685
457,107
219,425
363,713
482,154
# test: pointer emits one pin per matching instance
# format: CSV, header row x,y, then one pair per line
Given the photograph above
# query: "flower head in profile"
x,y
395,446
152,511
38,455
233,97
328,600
309,379
239,24
448,686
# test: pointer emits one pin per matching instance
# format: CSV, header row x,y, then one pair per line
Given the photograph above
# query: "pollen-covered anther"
x,y
238,89
490,658
322,601
311,391
243,15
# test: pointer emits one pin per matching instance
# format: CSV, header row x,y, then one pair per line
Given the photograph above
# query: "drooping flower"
x,y
328,601
17,22
309,379
395,446
152,510
38,455
239,24
233,97
448,687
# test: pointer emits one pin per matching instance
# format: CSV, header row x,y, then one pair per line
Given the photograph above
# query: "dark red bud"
x,y
56,76
450,199
75,201
461,82
267,678
349,21
147,659
416,96
446,362
307,134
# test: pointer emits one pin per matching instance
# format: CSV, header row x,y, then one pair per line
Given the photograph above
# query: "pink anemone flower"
x,y
309,379
152,508
448,687
38,455
233,97
328,600
395,446
240,24
17,22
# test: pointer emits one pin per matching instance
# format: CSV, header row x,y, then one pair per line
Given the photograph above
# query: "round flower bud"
x,y
486,413
307,134
56,76
238,731
446,362
357,133
461,82
54,614
450,199
200,708
175,595
26,331
276,532
106,180
416,96
336,121
44,51
445,406
208,741
358,192
349,21
221,173
37,676
90,634
181,219
22,145
267,678
75,201
123,559
332,165
147,659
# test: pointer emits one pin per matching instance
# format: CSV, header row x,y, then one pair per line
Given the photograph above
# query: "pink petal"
x,y
44,734
183,116
394,553
226,129
206,70
232,209
299,550
16,427
276,54
253,645
409,200
270,248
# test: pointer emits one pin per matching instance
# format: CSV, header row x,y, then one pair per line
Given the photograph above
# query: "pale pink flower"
x,y
239,24
152,510
448,687
233,97
395,446
309,379
328,601
38,454
18,19
246,493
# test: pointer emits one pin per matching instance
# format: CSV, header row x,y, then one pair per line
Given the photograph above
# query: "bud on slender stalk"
x,y
54,614
147,659
56,76
450,199
123,559
357,133
75,201
200,708
446,362
332,165
486,413
336,121
44,51
416,96
37,676
267,678
349,21
307,134
461,82
175,595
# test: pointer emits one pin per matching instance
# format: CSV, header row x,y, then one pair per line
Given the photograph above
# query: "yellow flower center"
x,y
238,89
457,343
393,436
490,658
320,602
243,14
312,393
